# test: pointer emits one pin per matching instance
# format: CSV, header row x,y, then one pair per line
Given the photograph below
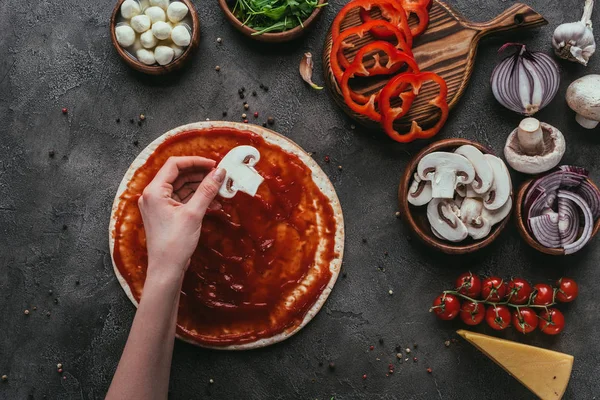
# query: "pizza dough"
x,y
309,272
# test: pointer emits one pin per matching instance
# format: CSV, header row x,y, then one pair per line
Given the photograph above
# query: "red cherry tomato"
x,y
469,285
567,290
493,289
498,317
552,321
542,294
518,291
525,320
472,313
446,306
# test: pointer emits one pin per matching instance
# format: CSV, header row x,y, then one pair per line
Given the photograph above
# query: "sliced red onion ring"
x,y
545,229
588,219
591,195
568,220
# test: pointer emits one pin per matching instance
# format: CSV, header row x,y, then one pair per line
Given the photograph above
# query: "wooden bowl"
x,y
277,37
157,69
416,217
522,222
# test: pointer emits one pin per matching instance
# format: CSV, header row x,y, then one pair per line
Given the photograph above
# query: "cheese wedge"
x,y
546,373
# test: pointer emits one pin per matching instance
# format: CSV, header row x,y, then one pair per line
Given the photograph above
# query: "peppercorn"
x,y
415,359
254,93
244,115
364,376
270,120
380,340
340,167
447,343
118,120
390,292
211,381
364,240
246,106
415,345
352,126
407,350
77,282
208,119
219,40
135,142
241,95
64,111
265,124
398,348
429,370
371,348
60,370
217,68
397,214
385,253
64,377
142,117
332,365
320,363
132,120
327,159
55,301
50,292
240,91
266,88
243,89
245,121
256,114
4,378
59,365
64,227
34,308
26,312
261,86
48,314
399,356
51,154
344,274
224,113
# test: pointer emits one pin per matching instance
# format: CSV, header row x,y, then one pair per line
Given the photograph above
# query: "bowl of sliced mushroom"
x,y
456,196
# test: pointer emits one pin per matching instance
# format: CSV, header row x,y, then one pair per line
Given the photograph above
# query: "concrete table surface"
x,y
54,214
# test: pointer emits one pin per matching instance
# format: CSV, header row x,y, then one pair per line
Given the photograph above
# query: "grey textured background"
x,y
56,54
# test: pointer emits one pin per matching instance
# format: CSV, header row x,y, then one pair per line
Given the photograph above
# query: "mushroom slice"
x,y
501,187
445,171
443,216
240,173
419,192
484,176
534,147
583,96
467,191
479,226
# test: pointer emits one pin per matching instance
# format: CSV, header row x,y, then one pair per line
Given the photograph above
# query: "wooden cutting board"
x,y
448,48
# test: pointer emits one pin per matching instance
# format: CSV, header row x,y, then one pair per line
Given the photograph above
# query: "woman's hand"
x,y
173,206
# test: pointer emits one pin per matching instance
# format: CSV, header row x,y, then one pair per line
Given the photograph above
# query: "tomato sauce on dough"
x,y
262,262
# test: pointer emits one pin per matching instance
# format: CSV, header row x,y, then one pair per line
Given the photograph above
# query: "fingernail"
x,y
219,175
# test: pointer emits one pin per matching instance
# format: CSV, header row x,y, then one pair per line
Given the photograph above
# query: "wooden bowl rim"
x,y
157,69
278,37
405,207
522,226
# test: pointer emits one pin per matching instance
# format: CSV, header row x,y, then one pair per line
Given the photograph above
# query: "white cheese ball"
x,y
148,40
177,50
141,23
164,55
125,35
145,56
130,9
181,36
177,11
161,30
156,14
164,4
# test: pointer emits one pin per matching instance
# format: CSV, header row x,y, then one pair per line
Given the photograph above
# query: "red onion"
x,y
586,235
526,81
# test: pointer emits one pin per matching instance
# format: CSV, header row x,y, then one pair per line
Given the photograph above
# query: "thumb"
x,y
207,191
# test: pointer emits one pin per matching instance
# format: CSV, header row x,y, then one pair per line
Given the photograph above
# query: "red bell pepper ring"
x,y
390,114
391,10
338,60
396,60
418,7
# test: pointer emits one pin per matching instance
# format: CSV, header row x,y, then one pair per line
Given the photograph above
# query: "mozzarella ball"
x,y
177,50
161,30
135,46
177,11
130,9
125,35
148,40
141,23
145,56
164,4
181,36
156,14
164,55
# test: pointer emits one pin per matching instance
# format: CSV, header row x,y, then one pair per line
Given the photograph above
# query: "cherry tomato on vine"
x,y
552,321
469,285
518,291
542,294
524,319
493,289
472,313
446,306
567,290
498,317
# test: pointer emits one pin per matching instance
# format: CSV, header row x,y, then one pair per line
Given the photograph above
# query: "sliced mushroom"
x,y
499,193
445,171
419,192
444,219
479,220
483,172
534,147
467,191
240,173
583,96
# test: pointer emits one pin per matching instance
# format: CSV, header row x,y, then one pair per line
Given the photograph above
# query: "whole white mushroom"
x,y
156,14
141,23
164,54
145,56
148,40
130,9
177,50
161,30
125,35
181,36
583,96
177,11
164,4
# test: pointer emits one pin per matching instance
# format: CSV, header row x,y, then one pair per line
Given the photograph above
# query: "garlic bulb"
x,y
574,41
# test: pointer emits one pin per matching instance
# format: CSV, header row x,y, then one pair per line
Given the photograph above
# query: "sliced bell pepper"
x,y
338,60
418,7
396,60
395,88
391,10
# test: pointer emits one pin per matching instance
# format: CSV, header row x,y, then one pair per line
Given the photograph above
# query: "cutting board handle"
x,y
516,17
